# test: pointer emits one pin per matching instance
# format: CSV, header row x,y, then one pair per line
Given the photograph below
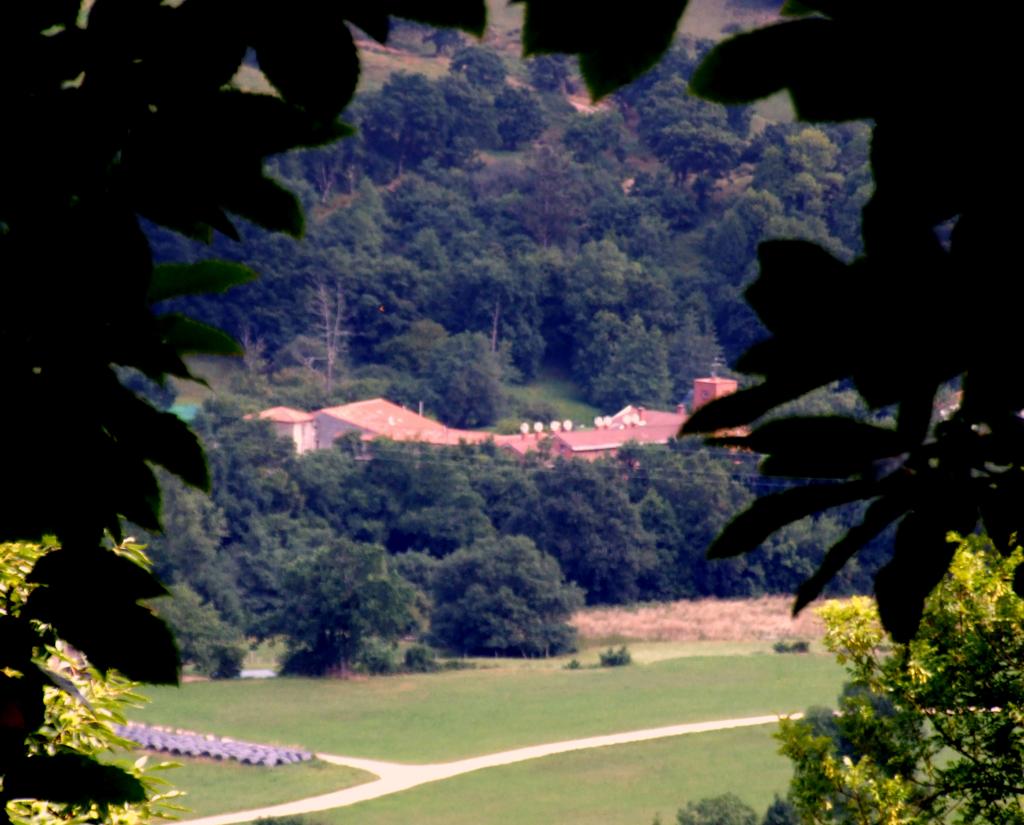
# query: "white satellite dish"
x,y
555,426
567,425
538,426
598,421
524,428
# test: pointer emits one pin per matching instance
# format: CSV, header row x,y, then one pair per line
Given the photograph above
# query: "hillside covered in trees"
x,y
484,228
630,528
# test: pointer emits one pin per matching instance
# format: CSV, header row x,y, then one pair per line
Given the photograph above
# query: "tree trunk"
x,y
494,325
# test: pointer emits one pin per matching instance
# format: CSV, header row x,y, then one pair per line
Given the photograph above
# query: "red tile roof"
x,y
378,417
657,427
520,443
286,415
614,437
382,417
651,418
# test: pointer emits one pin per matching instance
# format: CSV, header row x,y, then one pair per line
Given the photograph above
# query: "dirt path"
x,y
394,777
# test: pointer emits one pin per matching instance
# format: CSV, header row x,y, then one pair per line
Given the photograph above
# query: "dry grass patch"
x,y
725,620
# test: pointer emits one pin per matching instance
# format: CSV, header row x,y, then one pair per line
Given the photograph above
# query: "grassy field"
x,y
621,785
558,393
219,787
458,714
217,371
768,618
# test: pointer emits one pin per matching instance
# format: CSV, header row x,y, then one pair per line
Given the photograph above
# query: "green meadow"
x,y
220,787
456,714
620,785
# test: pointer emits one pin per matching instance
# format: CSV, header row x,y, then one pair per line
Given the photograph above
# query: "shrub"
x,y
421,659
616,658
574,664
378,657
798,646
457,664
727,809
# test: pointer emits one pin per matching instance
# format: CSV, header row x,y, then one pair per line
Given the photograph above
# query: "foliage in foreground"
x,y
934,239
71,725
929,731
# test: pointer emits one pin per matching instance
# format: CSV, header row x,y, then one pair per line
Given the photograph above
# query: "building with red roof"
x,y
295,424
708,389
636,424
380,418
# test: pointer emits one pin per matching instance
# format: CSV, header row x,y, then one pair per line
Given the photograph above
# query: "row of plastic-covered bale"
x,y
184,743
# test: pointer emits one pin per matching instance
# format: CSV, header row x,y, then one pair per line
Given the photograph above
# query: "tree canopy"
x,y
502,596
930,731
337,598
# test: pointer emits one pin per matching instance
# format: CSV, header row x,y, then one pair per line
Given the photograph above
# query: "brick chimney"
x,y
708,389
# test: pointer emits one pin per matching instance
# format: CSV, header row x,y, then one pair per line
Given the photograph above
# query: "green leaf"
x,y
822,446
371,19
173,445
1018,580
789,268
131,491
819,62
880,514
725,75
770,513
173,280
267,204
112,632
306,51
468,15
62,683
145,433
999,501
921,558
802,8
748,405
17,641
21,710
72,778
267,125
186,336
32,18
216,219
614,49
99,569
915,413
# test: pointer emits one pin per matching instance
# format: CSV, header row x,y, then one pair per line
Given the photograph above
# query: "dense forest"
x,y
479,222
481,229
633,527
